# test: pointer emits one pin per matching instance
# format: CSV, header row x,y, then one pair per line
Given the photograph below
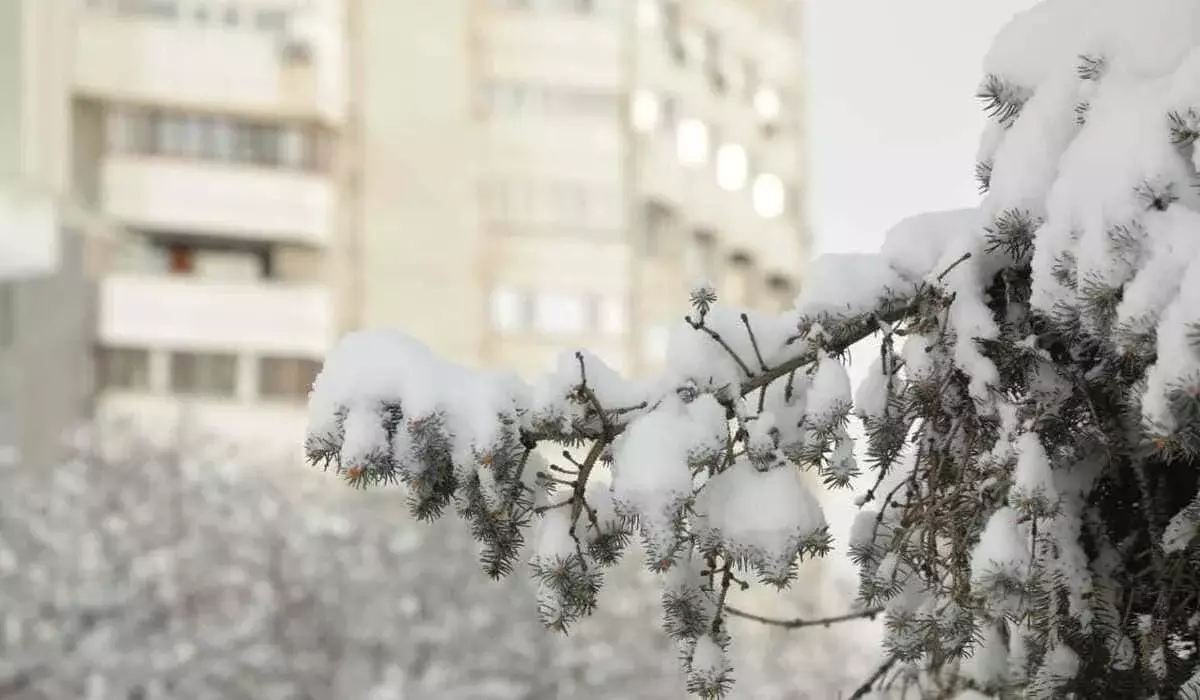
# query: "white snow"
x,y
871,398
829,393
849,283
1032,477
763,516
1003,548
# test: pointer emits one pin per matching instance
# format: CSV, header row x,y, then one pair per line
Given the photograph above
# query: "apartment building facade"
x,y
500,178
578,165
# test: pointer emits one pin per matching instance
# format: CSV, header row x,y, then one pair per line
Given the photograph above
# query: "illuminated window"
x,y
732,167
768,104
610,315
645,113
691,142
559,313
655,343
770,196
508,310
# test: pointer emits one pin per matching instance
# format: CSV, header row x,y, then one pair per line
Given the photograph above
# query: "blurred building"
x,y
500,178
541,173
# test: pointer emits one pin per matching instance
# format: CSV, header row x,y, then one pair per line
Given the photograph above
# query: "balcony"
x,y
175,62
214,198
210,315
555,48
260,434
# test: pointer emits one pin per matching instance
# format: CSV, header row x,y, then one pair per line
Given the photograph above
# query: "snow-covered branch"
x,y
1032,421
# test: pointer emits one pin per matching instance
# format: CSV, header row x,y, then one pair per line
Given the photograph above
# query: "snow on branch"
x,y
1031,425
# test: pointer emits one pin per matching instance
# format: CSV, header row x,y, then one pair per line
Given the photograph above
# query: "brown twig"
x,y
797,623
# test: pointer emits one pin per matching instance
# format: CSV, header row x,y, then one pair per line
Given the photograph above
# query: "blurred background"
x,y
198,197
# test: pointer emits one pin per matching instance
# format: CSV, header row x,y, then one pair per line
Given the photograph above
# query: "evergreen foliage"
x,y
1031,425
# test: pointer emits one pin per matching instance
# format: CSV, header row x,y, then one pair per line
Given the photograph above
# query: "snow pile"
x,y
764,519
372,371
652,467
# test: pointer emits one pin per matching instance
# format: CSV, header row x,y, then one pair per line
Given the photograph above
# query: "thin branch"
x,y
798,623
754,342
699,326
869,684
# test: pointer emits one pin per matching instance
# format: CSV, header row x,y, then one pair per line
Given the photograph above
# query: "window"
x,y
644,111
700,257
8,315
181,260
673,31
648,13
655,343
732,167
271,20
768,104
712,62
291,148
750,80
559,312
206,374
658,224
691,142
160,9
123,368
781,292
610,315
770,196
224,140
286,378
508,310
669,114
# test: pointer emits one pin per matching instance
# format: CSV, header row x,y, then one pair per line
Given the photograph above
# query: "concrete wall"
x,y
46,371
418,249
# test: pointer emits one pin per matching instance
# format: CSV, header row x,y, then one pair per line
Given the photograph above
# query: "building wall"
x,y
46,383
419,257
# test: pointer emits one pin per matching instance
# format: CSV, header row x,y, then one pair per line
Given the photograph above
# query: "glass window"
x,y
649,12
732,167
768,104
264,142
712,61
123,368
271,20
286,378
206,374
673,31
691,142
700,257
291,148
224,140
658,223
644,111
655,343
610,315
508,310
560,312
770,196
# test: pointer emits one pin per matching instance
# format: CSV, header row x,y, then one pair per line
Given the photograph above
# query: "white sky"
x,y
894,127
894,122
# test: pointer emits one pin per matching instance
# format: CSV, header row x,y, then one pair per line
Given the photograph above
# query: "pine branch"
x,y
797,623
869,684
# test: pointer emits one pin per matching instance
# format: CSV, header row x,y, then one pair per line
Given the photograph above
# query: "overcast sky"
x,y
894,122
